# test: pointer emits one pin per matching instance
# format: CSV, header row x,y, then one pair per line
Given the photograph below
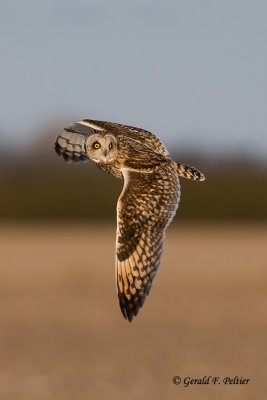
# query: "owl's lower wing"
x,y
145,208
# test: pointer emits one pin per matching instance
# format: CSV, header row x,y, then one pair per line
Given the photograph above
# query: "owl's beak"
x,y
105,152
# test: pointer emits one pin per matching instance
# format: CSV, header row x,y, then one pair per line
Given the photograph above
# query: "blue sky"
x,y
194,72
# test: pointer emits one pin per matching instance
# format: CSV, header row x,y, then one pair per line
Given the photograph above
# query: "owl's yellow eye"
x,y
110,145
96,145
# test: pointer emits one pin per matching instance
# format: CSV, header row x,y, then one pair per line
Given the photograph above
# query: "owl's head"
x,y
101,147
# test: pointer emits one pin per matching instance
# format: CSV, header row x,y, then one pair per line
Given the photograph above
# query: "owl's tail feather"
x,y
189,172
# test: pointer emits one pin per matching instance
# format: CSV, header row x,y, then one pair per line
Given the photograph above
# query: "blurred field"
x,y
62,335
40,186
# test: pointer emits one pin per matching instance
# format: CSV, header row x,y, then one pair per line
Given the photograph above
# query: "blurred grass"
x,y
49,189
62,335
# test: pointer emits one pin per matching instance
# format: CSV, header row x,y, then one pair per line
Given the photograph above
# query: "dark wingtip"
x,y
130,318
130,309
126,312
70,156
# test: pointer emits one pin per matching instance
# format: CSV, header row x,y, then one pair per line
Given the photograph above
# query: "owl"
x,y
148,201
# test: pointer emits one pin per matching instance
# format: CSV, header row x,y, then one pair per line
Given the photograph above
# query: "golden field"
x,y
62,336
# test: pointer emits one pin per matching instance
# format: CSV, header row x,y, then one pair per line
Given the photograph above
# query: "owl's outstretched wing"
x,y
145,208
71,143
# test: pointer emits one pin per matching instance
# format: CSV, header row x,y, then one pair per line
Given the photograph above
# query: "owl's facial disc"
x,y
101,148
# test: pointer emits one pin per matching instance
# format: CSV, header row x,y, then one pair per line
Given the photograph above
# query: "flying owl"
x,y
148,201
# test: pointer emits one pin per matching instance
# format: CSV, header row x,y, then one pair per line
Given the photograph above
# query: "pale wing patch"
x,y
71,145
90,124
